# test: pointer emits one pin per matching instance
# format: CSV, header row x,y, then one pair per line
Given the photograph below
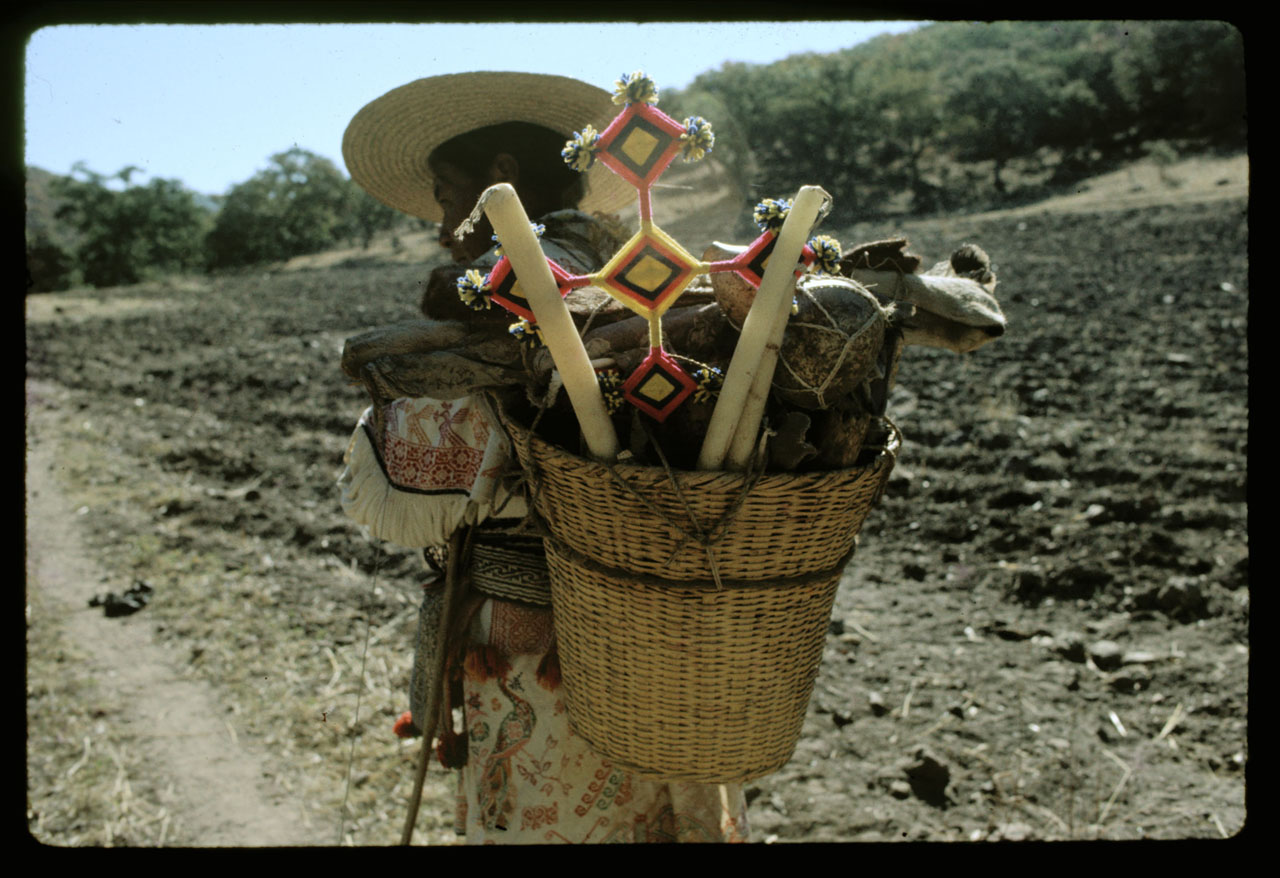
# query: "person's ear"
x,y
504,169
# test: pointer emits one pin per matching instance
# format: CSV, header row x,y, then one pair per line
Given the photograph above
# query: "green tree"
x,y
50,266
367,216
732,99
732,147
130,234
1184,79
899,113
1000,111
300,204
906,107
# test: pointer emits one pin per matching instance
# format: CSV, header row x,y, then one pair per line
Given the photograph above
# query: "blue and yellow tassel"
x,y
580,152
611,389
771,213
697,140
635,88
526,333
826,253
538,229
473,290
710,379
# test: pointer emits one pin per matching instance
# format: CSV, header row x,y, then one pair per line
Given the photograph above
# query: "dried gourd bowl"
x,y
691,608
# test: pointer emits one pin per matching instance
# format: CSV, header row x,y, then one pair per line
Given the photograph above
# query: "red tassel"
x,y
549,670
451,749
485,663
404,727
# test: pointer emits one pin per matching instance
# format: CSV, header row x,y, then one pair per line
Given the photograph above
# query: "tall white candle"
x,y
511,224
808,204
768,311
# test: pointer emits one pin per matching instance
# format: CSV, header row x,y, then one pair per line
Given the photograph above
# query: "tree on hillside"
x,y
900,112
130,234
906,109
732,100
1000,111
732,147
368,216
1184,79
50,265
300,204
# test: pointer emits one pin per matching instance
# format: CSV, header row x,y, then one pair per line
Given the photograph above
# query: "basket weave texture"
x,y
690,621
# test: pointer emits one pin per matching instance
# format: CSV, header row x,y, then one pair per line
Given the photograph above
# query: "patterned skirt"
x,y
529,779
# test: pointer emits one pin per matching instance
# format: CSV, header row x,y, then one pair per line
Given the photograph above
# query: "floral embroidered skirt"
x,y
530,780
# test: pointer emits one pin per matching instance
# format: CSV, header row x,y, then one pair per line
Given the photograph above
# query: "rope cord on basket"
x,y
722,524
719,584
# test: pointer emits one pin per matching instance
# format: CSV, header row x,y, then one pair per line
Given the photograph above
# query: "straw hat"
x,y
387,143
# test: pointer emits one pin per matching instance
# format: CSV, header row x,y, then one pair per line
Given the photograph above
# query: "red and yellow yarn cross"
x,y
651,270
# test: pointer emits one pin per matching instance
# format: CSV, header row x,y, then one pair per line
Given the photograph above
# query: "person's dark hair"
x,y
545,179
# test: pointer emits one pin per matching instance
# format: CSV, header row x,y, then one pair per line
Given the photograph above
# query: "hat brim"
x,y
387,142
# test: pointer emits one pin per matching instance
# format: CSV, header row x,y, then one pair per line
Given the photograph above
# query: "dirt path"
x,y
214,774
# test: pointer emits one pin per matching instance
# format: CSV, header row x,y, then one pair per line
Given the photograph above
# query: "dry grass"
x,y
87,781
289,660
1147,184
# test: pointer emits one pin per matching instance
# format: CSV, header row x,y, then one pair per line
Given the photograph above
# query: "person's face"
x,y
457,194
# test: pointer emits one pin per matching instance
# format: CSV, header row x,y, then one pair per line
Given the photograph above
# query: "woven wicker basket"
x,y
691,620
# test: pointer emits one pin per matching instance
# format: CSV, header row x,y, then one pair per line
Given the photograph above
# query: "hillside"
x,y
704,204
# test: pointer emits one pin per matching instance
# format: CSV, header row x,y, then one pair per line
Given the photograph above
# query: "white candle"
x,y
768,312
511,224
809,202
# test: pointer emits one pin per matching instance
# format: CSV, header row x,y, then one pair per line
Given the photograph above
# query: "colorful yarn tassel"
x,y
451,749
580,153
709,379
635,88
473,290
526,333
611,389
484,663
404,727
548,672
826,254
770,214
697,140
538,229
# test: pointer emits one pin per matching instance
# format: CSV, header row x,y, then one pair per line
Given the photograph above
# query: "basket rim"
x,y
887,454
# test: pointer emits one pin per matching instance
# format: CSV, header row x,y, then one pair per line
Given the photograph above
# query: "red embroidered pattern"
x,y
539,816
432,446
520,630
432,469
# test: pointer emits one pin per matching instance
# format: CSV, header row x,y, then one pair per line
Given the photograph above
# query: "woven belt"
x,y
513,570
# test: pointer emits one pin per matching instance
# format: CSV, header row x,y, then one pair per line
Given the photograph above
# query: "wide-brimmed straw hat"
x,y
387,143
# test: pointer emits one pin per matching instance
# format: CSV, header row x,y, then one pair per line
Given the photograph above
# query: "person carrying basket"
x,y
435,473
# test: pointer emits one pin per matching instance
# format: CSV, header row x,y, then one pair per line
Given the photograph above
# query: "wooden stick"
x,y
431,714
511,224
809,202
768,310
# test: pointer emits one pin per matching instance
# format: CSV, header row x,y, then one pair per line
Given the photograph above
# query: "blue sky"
x,y
209,104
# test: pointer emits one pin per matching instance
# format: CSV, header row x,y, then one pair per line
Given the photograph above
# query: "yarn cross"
x,y
651,270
